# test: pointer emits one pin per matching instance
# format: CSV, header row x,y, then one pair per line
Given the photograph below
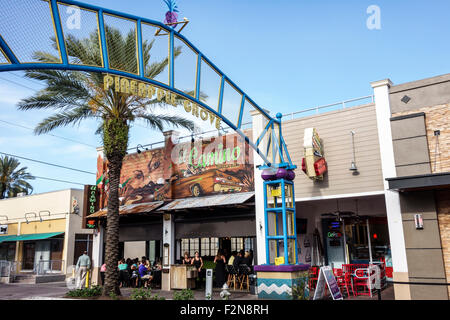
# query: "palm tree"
x,y
77,96
13,180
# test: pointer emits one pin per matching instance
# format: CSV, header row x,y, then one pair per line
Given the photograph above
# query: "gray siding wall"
x,y
409,138
423,93
423,247
334,130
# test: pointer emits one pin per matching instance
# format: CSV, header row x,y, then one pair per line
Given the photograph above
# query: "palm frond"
x,y
63,119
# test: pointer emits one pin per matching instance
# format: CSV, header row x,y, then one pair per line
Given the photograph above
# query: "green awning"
x,y
26,237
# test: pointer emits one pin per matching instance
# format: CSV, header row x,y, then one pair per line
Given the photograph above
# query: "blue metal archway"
x,y
27,26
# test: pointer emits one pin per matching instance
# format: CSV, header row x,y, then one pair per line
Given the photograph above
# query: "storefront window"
x,y
205,247
8,251
237,244
194,245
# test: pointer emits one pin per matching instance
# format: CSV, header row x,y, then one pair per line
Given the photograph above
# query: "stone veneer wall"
x,y
443,211
436,118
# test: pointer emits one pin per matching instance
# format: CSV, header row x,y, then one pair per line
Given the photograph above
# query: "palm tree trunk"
x,y
112,228
2,191
115,141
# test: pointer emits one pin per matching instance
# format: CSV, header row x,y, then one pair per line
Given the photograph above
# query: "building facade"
x,y
43,233
383,196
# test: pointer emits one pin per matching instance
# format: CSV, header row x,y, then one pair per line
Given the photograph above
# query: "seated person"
x,y
231,260
143,273
238,260
247,259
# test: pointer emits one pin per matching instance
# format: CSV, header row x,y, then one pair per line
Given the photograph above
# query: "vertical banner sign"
x,y
326,278
91,205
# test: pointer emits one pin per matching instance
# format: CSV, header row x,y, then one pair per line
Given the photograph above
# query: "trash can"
x,y
253,284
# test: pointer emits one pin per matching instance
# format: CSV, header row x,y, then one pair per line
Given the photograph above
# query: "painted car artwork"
x,y
207,167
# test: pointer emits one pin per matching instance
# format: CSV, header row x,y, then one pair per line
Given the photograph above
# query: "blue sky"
x,y
286,55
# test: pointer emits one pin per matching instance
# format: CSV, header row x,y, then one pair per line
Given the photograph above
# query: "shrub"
x,y
94,291
141,294
300,290
185,294
209,265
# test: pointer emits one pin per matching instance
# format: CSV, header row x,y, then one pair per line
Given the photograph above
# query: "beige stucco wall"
x,y
334,130
58,203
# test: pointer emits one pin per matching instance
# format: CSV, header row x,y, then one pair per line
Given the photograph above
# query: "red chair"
x,y
361,280
340,279
346,279
313,274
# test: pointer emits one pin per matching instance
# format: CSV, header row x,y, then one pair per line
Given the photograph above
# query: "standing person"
x,y
197,261
123,273
220,261
102,273
187,259
83,266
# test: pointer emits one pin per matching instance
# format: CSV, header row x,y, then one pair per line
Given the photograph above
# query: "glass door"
x,y
42,256
28,256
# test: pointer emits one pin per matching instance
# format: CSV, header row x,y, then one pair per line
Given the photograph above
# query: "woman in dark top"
x,y
197,261
220,261
186,259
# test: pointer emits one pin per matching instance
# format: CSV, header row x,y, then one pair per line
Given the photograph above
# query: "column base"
x,y
276,282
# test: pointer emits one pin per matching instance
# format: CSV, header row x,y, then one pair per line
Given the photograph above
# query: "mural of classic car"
x,y
208,182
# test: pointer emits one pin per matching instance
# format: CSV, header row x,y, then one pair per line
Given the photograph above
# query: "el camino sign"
x,y
313,164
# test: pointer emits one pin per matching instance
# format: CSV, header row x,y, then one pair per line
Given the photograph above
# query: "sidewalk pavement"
x,y
57,291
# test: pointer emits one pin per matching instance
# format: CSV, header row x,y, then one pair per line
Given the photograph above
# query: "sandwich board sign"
x,y
326,278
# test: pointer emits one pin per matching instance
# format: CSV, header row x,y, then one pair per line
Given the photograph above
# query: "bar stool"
x,y
233,276
244,271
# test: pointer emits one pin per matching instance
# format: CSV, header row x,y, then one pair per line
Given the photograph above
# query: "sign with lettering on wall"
x,y
313,163
91,205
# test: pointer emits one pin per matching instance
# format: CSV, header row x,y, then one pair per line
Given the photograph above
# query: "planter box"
x,y
276,282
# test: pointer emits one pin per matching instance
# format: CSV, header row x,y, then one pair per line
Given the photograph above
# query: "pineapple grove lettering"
x,y
144,90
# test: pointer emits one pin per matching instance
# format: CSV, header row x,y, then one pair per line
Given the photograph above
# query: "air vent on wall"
x,y
406,99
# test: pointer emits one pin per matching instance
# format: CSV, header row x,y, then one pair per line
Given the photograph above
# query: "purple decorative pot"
x,y
281,173
268,174
290,175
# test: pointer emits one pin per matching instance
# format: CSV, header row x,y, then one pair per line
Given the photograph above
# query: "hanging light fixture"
x,y
353,166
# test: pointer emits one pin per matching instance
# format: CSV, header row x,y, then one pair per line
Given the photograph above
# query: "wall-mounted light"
x,y
33,213
140,146
418,221
43,211
353,166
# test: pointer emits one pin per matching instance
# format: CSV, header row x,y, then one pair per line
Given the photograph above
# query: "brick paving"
x,y
57,291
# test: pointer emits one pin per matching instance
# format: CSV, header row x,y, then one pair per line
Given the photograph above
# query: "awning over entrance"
x,y
420,182
27,237
208,201
130,209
